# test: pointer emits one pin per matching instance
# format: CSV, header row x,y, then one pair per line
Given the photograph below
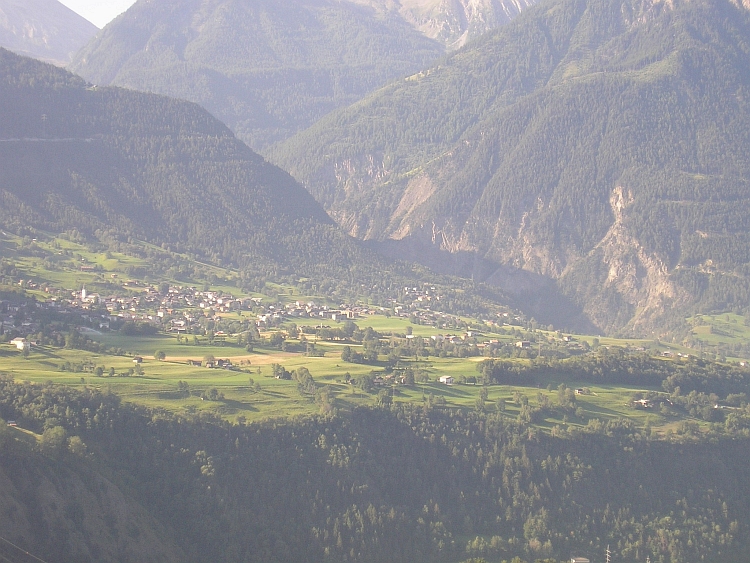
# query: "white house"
x,y
21,343
446,379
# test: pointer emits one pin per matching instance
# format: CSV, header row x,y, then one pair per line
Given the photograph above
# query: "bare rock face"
x,y
453,22
43,29
640,278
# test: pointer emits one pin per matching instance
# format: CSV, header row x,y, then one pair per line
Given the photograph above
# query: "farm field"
x,y
250,391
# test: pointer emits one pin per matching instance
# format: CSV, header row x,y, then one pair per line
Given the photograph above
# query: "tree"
x,y
346,354
384,398
409,376
279,372
76,446
276,340
53,441
5,435
160,355
349,328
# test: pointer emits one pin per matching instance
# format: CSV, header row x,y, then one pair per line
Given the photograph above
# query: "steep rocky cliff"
x,y
453,22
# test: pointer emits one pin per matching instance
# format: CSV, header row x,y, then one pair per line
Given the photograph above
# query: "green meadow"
x,y
250,391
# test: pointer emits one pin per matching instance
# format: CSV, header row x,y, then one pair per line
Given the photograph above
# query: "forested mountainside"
x,y
405,484
265,68
597,143
43,29
114,164
65,510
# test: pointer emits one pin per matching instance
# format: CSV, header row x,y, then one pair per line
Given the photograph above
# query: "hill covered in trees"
x,y
265,68
43,29
596,143
115,165
399,484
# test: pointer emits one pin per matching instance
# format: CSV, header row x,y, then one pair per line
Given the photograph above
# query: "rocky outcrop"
x,y
453,22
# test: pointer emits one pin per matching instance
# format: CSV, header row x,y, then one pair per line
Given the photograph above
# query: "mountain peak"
x,y
43,29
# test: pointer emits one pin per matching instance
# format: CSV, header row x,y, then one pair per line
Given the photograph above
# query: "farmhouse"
x,y
21,343
446,380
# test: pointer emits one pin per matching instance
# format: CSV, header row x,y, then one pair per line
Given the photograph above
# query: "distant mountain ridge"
x,y
43,29
453,22
596,143
265,68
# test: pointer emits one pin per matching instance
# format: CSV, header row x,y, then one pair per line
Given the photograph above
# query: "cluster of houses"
x,y
213,364
12,318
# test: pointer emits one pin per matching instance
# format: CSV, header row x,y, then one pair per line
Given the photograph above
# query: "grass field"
x,y
721,333
158,385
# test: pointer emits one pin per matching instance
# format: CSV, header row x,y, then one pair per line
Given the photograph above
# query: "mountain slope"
x,y
66,511
265,68
43,29
117,163
118,166
599,143
407,485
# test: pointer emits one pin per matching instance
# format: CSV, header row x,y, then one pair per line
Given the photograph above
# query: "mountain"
x,y
265,68
43,29
121,169
64,510
115,164
453,22
598,144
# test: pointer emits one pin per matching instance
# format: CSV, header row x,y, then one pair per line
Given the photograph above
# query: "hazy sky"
x,y
99,12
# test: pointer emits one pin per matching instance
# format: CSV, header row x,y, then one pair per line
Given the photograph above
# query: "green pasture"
x,y
158,384
720,329
380,323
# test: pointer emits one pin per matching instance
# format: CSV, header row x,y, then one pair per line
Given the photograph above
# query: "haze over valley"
x,y
369,281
